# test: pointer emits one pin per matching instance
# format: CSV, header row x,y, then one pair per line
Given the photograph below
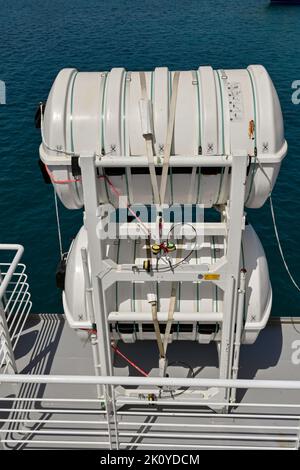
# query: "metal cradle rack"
x,y
229,277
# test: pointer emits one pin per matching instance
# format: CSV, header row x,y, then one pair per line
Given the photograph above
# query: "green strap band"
x,y
223,134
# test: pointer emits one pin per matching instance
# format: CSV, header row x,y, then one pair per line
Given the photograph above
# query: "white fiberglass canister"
x,y
128,300
218,112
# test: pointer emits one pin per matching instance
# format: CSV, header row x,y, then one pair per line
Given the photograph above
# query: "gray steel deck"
x,y
71,416
49,346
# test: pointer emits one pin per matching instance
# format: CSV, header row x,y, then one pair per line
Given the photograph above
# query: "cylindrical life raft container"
x,y
127,302
217,112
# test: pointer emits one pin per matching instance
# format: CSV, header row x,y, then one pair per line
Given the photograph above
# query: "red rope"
x,y
113,189
139,369
117,193
50,174
119,353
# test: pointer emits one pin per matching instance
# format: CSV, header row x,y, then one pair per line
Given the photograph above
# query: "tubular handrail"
x,y
154,381
15,304
33,420
7,277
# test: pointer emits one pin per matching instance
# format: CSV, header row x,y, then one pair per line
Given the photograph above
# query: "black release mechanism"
x,y
61,273
45,175
38,115
76,170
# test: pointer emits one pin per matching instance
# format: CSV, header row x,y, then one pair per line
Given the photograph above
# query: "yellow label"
x,y
211,277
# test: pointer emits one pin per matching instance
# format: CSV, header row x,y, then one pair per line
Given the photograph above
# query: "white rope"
x,y
280,247
276,230
58,224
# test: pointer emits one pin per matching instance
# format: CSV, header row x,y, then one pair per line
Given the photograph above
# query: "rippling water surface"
x,y
39,37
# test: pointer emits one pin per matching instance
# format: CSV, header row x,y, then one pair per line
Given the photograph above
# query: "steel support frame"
x,y
236,225
102,352
105,272
90,196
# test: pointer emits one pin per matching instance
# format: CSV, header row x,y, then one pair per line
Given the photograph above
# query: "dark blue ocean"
x,y
39,37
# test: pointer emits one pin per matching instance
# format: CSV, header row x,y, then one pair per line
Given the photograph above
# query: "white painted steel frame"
x,y
15,305
232,429
156,381
104,272
141,161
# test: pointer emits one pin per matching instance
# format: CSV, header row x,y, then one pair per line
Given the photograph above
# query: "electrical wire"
x,y
191,374
174,266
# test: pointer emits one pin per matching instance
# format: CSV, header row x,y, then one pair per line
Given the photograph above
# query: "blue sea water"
x,y
39,37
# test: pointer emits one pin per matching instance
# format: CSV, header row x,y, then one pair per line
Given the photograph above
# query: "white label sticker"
x,y
235,99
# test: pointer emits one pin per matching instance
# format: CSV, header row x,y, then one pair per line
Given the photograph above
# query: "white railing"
x,y
64,412
15,304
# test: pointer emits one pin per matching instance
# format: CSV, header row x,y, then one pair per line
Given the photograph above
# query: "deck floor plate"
x,y
49,346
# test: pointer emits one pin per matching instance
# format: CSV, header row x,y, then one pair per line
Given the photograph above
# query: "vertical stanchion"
x,y
237,339
90,196
7,358
235,222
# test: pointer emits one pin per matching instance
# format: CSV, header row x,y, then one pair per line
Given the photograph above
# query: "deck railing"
x,y
47,411
15,304
64,412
